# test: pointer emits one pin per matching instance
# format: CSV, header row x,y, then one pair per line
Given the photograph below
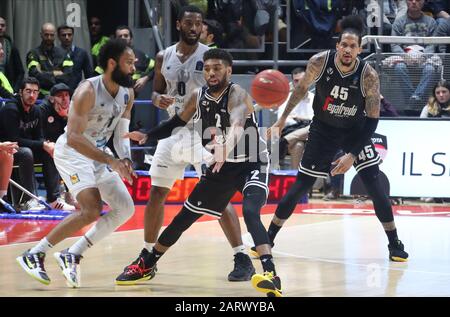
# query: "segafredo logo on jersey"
x,y
339,110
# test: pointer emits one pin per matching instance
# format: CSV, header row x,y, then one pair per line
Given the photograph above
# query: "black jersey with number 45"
x,y
339,100
214,116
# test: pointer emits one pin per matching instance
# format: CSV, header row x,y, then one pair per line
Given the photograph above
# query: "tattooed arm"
x,y
313,69
371,84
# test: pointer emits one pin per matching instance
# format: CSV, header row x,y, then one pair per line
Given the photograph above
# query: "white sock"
x,y
80,246
3,193
42,246
149,246
239,249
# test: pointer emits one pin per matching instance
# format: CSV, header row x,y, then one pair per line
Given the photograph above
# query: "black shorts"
x,y
214,190
323,143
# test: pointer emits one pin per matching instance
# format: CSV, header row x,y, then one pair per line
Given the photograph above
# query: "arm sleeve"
x,y
122,145
365,134
164,129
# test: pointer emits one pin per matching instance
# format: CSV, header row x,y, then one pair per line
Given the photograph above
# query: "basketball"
x,y
270,88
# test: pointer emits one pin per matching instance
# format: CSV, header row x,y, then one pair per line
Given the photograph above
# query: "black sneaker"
x,y
33,264
255,254
267,283
69,263
397,252
243,268
137,271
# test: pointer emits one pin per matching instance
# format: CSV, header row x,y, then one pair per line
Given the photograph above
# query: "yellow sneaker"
x,y
268,284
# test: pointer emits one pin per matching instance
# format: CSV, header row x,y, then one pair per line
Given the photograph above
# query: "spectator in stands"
x,y
20,122
387,109
443,29
48,63
391,8
80,58
54,112
144,64
440,9
414,23
11,65
439,103
7,149
97,38
314,23
6,91
212,33
294,135
244,22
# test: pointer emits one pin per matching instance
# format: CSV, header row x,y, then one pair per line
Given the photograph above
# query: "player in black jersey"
x,y
240,162
346,111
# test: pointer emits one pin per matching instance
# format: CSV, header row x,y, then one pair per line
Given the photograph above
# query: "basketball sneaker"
x,y
33,264
60,204
243,268
397,252
267,283
137,271
69,263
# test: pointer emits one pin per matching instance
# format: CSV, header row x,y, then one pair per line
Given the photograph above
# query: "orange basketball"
x,y
270,88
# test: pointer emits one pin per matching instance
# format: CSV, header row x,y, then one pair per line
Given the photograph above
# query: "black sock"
x,y
273,231
392,236
153,257
267,263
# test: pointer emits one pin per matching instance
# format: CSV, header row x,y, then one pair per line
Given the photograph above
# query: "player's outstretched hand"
x,y
275,129
137,136
343,164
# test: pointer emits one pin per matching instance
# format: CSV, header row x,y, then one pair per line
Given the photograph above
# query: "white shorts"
x,y
78,171
172,156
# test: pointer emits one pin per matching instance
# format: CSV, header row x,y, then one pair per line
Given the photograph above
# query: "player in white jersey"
x,y
178,71
100,106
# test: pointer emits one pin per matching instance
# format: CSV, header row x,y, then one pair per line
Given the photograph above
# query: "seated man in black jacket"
x,y
54,112
20,122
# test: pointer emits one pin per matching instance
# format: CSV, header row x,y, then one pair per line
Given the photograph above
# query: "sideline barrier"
x,y
416,158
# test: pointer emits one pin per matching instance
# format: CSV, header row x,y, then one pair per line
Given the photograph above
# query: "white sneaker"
x,y
33,264
69,264
61,205
33,205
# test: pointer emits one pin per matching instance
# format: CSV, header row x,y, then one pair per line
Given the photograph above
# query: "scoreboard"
x,y
279,184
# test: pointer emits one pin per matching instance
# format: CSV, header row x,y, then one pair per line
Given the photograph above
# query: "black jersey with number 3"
x,y
339,100
213,113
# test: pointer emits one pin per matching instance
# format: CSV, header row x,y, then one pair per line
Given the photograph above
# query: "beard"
x,y
188,40
219,86
121,79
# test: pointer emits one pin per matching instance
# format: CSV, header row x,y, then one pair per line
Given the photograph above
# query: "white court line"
x,y
248,241
163,227
357,264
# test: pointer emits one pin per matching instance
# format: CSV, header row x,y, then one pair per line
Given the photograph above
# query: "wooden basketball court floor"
x,y
323,250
